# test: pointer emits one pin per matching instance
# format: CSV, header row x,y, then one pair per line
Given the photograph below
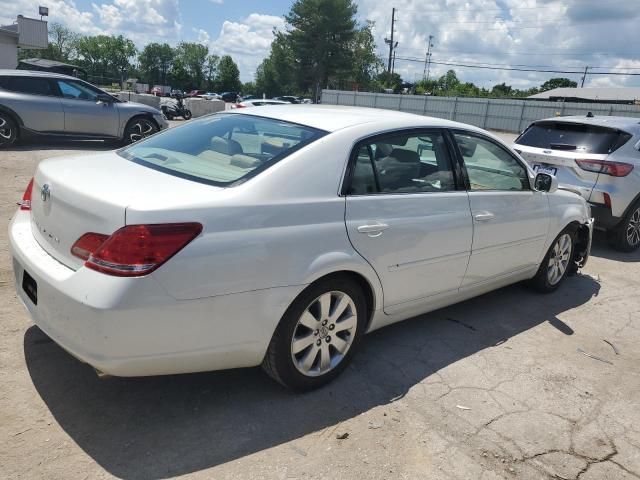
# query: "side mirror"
x,y
545,183
104,98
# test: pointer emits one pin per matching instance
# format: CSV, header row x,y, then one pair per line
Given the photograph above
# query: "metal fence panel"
x,y
496,114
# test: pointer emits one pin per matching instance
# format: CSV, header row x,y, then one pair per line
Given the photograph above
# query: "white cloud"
x,y
217,2
63,11
247,41
549,34
203,36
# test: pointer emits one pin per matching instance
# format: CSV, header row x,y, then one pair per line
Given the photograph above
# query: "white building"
x,y
24,33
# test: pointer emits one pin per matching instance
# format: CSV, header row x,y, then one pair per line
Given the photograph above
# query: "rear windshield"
x,y
573,137
222,149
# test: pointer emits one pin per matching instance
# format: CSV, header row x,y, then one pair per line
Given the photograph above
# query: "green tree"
x,y
120,52
502,90
366,64
276,75
188,69
322,33
228,78
155,61
557,83
211,71
448,82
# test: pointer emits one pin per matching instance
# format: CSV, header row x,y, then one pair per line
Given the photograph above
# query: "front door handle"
x,y
484,216
374,229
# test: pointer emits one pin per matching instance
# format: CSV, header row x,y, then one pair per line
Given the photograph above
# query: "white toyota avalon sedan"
x,y
278,236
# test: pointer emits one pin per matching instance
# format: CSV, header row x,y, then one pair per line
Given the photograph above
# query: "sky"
x,y
562,35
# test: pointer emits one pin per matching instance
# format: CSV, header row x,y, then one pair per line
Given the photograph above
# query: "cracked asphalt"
x,y
497,387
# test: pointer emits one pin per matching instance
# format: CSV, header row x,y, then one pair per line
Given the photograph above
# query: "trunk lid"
x,y
91,193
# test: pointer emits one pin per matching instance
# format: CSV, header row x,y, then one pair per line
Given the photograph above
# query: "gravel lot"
x,y
493,388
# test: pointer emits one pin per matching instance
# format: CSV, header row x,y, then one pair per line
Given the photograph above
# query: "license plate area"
x,y
545,169
30,287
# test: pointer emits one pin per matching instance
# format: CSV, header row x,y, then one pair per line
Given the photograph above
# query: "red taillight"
x,y
137,250
238,105
87,244
25,204
607,200
615,169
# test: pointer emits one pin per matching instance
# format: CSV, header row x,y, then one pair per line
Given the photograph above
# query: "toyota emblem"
x,y
45,192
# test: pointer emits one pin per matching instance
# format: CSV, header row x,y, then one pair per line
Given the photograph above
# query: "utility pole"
x,y
393,63
584,77
427,60
390,42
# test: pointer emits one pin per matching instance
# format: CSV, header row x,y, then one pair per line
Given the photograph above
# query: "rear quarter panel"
x,y
283,227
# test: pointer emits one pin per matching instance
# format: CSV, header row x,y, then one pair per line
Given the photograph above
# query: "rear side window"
x,y
573,137
407,163
30,85
223,149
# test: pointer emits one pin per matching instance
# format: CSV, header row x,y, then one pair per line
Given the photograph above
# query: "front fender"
x,y
566,208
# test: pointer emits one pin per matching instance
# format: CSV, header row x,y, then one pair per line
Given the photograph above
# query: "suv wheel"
x,y
626,236
139,128
8,130
317,335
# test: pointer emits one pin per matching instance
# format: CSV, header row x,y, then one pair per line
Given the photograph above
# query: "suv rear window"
x,y
222,149
573,137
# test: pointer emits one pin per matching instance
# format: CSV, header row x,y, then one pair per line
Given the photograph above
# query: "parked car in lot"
x,y
599,157
196,93
258,102
42,103
288,99
229,97
279,236
211,96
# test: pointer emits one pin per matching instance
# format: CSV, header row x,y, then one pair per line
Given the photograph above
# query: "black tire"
x,y
542,281
626,236
279,359
139,128
8,130
187,114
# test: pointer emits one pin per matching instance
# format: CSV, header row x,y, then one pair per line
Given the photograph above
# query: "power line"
x,y
486,67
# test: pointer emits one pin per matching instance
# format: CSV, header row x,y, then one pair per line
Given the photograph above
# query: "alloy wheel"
x,y
5,130
324,333
141,129
633,228
559,259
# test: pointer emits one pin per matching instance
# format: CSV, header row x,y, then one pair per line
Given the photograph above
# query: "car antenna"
x,y
590,115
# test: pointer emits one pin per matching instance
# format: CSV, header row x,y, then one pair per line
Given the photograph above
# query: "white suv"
x,y
599,157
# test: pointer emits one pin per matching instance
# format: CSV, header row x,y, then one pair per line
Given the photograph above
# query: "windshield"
x,y
573,137
222,149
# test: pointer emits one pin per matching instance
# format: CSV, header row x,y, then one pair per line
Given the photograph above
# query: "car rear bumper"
x,y
132,326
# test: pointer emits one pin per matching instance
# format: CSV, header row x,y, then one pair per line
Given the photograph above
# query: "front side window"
x,y
76,90
405,163
222,149
489,166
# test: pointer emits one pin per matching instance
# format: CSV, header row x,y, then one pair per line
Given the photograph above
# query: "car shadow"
x,y
158,427
601,249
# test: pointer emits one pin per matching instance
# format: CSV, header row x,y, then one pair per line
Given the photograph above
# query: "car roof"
x,y
331,118
629,124
34,73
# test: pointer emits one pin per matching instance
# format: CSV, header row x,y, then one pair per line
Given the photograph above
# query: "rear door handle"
x,y
373,229
483,217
